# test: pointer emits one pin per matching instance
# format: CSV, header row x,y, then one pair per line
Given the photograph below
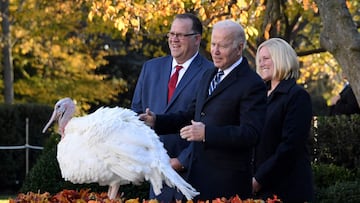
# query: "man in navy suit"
x,y
345,102
225,121
152,88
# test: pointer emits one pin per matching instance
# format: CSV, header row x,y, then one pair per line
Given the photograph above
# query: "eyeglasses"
x,y
180,36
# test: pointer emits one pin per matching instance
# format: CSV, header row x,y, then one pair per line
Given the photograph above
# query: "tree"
x,y
56,53
340,36
6,51
53,41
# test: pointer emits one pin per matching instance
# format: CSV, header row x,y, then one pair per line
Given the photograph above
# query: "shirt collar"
x,y
186,64
228,70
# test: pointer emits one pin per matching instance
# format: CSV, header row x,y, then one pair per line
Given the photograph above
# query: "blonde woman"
x,y
282,160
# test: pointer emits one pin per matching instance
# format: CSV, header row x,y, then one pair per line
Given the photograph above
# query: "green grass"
x,y
5,198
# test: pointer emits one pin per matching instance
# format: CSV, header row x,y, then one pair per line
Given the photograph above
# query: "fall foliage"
x,y
86,196
58,46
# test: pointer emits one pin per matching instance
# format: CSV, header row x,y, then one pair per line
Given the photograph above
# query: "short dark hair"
x,y
197,25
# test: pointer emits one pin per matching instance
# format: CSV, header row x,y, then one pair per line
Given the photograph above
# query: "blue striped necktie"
x,y
215,81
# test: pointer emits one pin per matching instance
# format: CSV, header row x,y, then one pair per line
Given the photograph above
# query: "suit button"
x,y
202,113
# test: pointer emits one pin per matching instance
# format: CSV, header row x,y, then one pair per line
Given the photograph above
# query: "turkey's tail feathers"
x,y
172,179
161,171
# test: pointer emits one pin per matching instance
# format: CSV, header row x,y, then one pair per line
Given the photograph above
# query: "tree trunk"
x,y
6,52
341,38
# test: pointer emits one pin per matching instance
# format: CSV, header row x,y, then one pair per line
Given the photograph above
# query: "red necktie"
x,y
172,82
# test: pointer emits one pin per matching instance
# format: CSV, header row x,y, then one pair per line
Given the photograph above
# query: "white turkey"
x,y
112,147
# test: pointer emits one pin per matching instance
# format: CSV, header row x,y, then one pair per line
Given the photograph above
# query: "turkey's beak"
x,y
53,116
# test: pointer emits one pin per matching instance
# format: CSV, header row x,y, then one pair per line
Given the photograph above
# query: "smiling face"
x,y
265,64
276,60
183,49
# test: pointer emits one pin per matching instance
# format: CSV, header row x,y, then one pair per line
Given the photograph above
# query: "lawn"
x,y
5,198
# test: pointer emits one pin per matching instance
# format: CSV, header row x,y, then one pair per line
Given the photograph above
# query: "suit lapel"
x,y
226,82
204,93
190,73
164,80
194,69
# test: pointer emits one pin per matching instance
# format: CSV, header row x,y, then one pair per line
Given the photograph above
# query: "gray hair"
x,y
237,31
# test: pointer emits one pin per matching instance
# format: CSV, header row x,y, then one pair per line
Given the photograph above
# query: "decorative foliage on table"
x,y
85,196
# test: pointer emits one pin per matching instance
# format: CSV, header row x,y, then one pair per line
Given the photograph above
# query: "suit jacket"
x,y
233,115
347,103
282,158
151,92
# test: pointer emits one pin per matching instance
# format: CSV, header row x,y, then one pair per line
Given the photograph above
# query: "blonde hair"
x,y
284,57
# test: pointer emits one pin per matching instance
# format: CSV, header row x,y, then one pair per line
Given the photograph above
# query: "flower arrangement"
x,y
85,196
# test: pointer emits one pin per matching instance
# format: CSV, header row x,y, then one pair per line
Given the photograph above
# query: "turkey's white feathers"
x,y
113,147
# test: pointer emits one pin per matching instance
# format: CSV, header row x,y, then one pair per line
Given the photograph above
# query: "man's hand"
x,y
255,185
148,117
193,132
176,165
334,100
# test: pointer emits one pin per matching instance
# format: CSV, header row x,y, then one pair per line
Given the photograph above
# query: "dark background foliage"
x,y
13,133
334,146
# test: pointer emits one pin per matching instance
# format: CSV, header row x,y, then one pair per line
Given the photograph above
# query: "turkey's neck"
x,y
65,118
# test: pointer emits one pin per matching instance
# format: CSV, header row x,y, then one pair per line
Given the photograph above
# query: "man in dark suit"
x,y
224,122
345,102
152,88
